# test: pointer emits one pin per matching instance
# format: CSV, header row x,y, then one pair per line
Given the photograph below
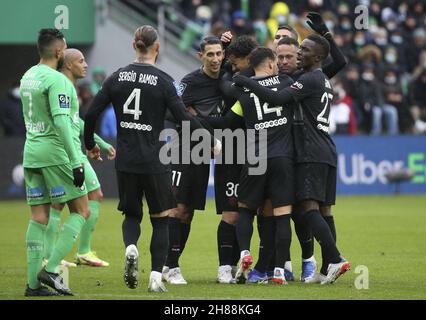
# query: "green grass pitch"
x,y
384,234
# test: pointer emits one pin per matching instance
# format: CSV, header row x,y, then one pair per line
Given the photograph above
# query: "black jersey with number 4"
x,y
276,119
141,94
314,93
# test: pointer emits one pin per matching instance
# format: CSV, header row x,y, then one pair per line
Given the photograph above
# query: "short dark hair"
x,y
323,45
291,29
242,46
145,36
259,55
288,41
45,39
209,41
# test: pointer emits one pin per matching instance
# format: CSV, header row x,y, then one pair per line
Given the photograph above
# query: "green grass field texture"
x,y
387,235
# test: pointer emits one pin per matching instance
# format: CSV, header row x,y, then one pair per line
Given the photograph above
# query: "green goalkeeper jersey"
x,y
44,94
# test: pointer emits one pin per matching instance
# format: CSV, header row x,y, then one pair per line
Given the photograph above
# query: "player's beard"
x,y
60,63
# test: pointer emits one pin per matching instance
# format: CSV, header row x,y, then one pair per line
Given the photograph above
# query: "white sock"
x,y
132,250
155,275
244,253
279,272
310,259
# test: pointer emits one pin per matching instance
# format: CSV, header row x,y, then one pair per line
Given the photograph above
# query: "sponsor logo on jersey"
x,y
35,193
57,192
136,126
297,85
180,88
270,124
63,101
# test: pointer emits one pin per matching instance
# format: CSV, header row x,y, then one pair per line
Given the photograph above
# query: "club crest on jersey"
x,y
63,101
297,85
180,88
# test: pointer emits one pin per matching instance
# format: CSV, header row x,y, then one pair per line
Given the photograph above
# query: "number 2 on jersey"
x,y
136,95
327,98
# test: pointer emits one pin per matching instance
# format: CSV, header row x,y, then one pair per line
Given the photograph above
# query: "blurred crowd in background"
x,y
382,90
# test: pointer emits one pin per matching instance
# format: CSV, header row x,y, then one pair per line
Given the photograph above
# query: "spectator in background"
x,y
279,15
98,77
11,117
351,84
196,29
241,25
395,38
370,55
414,48
84,98
418,97
373,102
261,30
340,111
394,99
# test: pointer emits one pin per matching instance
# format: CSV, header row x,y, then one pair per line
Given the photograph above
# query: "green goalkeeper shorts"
x,y
90,178
52,184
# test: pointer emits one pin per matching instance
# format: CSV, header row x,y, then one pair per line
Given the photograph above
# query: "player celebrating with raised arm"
x,y
75,67
316,156
141,93
53,170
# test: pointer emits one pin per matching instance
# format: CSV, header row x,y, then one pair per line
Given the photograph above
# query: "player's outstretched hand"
x,y
240,80
217,147
78,174
95,153
317,24
111,153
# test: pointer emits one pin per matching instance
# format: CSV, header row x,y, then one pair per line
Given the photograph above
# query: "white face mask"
x,y
390,58
381,42
396,39
359,41
329,24
282,19
368,76
346,26
390,80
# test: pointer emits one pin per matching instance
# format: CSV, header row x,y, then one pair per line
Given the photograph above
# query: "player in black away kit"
x,y
227,176
286,50
201,94
141,93
276,183
316,156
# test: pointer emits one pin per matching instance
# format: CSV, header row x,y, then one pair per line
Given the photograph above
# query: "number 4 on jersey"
x,y
136,94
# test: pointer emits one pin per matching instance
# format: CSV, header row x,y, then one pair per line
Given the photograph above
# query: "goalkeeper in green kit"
x,y
53,170
75,67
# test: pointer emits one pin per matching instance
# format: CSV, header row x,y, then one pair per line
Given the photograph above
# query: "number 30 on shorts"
x,y
232,189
